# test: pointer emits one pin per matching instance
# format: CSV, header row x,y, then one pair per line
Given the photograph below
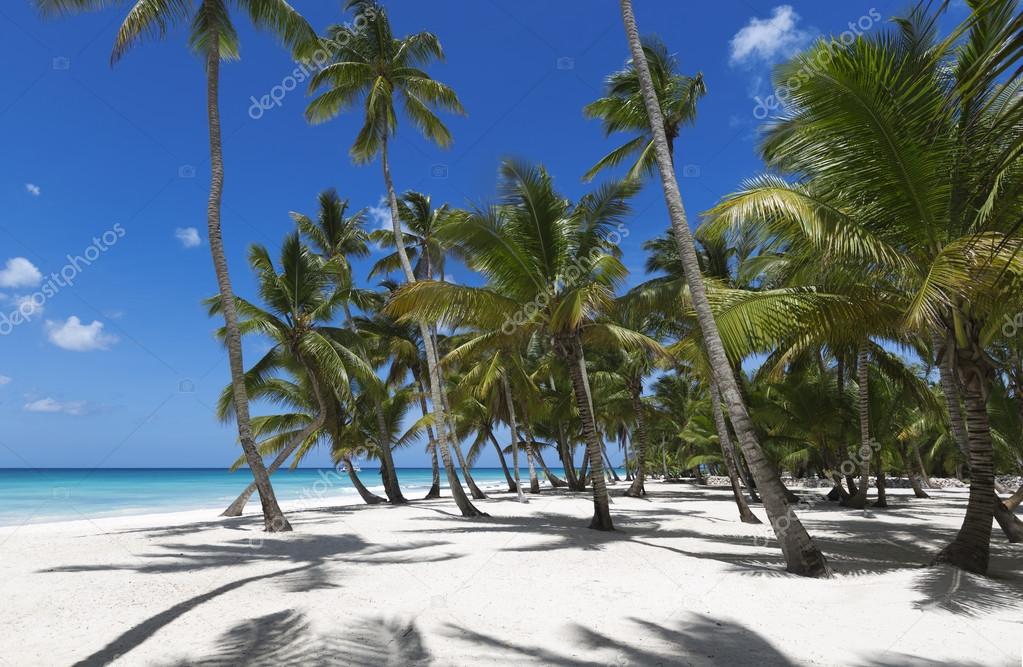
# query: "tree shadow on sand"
x,y
310,556
697,640
288,639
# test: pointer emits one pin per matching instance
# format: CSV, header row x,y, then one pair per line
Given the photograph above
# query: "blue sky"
x,y
105,177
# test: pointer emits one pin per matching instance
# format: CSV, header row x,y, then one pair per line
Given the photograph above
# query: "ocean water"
x,y
53,494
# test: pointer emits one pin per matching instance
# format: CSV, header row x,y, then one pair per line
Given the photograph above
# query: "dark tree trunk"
x,y
434,491
859,499
746,515
367,496
641,445
882,498
512,488
571,350
534,481
971,548
1013,502
1010,525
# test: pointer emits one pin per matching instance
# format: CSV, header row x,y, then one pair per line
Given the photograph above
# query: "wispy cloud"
x,y
770,39
5,379
74,408
19,272
189,236
77,337
380,215
33,189
28,306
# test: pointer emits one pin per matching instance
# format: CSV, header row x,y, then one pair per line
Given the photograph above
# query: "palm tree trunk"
x,y
913,481
801,554
1013,502
477,492
971,548
1010,525
623,438
434,491
746,515
512,486
951,392
859,500
514,437
556,482
238,506
534,482
273,518
882,498
640,446
612,473
572,350
388,474
565,454
664,461
465,505
367,496
924,479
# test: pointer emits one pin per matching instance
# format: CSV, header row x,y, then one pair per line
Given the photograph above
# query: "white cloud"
x,y
189,236
28,306
77,337
33,189
75,408
4,379
769,39
19,272
380,215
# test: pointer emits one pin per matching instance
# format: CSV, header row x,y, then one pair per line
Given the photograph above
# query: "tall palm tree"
x,y
374,65
932,127
551,269
213,37
622,110
801,554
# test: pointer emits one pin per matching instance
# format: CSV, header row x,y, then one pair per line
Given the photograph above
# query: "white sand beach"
x,y
681,582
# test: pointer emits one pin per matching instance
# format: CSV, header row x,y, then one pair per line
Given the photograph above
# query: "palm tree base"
x,y
963,556
749,518
433,493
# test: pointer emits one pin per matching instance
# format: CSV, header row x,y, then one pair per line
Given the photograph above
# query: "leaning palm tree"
x,y
801,554
373,65
551,269
212,36
622,110
336,237
300,304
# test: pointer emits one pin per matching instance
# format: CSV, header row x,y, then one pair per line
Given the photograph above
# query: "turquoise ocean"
x,y
55,494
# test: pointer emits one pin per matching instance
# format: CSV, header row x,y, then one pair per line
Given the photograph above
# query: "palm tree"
x,y
551,269
931,127
300,305
336,237
212,36
801,554
374,65
621,109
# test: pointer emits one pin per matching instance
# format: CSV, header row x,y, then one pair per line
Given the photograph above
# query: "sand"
x,y
682,583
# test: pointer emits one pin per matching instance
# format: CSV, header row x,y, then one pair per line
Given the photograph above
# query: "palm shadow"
x,y
288,639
